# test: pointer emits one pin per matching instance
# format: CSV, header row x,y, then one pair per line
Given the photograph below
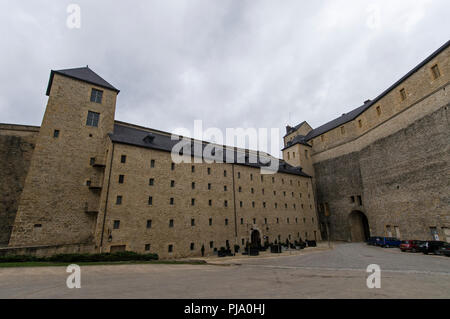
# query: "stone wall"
x,y
403,180
16,148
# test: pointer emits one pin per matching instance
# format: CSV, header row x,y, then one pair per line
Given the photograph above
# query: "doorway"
x,y
359,226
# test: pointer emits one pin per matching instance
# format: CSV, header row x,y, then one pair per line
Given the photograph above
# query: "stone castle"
x,y
85,182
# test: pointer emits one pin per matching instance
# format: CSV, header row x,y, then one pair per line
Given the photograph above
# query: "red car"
x,y
410,245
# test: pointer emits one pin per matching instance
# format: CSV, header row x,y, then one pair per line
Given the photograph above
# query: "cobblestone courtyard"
x,y
315,273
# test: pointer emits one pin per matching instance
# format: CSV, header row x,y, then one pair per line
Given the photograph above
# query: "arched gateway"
x,y
256,239
359,226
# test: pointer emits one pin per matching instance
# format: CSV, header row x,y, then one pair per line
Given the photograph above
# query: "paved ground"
x,y
317,273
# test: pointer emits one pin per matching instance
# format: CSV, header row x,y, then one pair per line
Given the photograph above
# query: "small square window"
x,y
92,119
123,158
56,133
96,96
116,224
403,94
147,247
119,200
121,178
436,72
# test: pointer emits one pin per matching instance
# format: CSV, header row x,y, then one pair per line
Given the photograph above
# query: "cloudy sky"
x,y
230,63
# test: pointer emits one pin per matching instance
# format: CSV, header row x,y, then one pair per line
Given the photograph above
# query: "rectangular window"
x,y
152,163
242,221
209,185
241,204
171,201
225,173
254,220
192,222
225,188
92,118
360,123
192,201
211,244
171,223
121,178
193,185
265,221
378,110
192,168
172,166
225,203
226,221
172,183
436,72
209,170
149,223
403,94
150,200
359,200
170,249
210,202
147,247
96,96
239,174
352,199
210,222
342,130
253,204
119,200
92,161
116,224
56,133
123,158
151,181
192,246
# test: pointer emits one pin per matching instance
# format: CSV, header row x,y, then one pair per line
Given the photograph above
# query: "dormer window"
x,y
149,138
435,71
96,96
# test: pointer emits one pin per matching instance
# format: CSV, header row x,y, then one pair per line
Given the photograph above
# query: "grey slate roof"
x,y
298,139
84,74
162,141
290,129
350,116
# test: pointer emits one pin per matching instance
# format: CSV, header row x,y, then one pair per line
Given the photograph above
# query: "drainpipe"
x,y
107,196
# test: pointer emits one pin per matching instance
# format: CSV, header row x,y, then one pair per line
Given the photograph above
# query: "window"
x,y
147,247
225,203
359,123
172,183
241,204
96,96
211,244
251,177
92,161
225,188
253,204
403,94
210,222
287,220
273,179
226,221
239,174
289,157
264,204
254,220
225,173
210,202
435,71
56,133
152,163
123,158
378,110
293,154
242,221
119,200
296,220
209,170
262,191
322,138
262,178
342,130
240,189
193,185
149,223
265,220
192,201
92,118
192,222
192,168
170,249
192,246
171,201
150,200
121,177
352,199
359,200
278,220
252,190
151,181
172,166
116,224
171,223
209,185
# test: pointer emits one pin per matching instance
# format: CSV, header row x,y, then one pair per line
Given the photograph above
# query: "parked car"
x,y
444,250
373,241
431,247
410,245
389,242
